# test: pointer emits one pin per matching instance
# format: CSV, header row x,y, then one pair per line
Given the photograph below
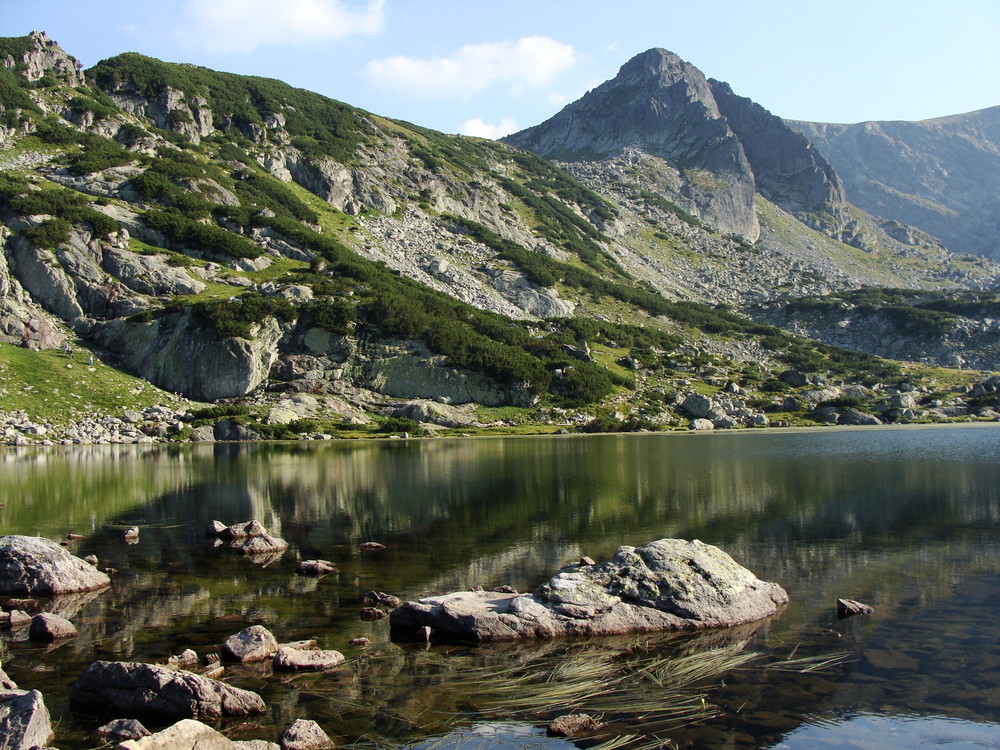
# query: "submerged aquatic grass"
x,y
639,693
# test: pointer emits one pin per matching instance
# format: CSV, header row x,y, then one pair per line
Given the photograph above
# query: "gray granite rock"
x,y
33,565
669,584
24,720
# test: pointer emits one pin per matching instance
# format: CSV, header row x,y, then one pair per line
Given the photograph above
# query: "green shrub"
x,y
397,424
49,233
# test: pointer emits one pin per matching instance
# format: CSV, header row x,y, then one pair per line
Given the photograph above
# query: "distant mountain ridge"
x,y
941,175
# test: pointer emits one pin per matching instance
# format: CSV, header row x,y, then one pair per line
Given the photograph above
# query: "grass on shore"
x,y
49,386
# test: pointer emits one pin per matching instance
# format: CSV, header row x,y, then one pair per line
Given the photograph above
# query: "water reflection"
x,y
906,520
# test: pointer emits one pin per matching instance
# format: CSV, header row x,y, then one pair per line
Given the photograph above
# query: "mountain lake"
x,y
904,519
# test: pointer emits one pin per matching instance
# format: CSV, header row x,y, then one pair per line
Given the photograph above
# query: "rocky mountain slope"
x,y
226,237
941,175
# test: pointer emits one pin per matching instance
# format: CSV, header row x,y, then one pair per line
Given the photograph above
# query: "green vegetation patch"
x,y
43,386
319,126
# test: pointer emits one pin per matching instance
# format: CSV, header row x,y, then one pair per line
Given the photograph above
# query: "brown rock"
x,y
370,614
120,730
49,627
849,608
315,568
573,725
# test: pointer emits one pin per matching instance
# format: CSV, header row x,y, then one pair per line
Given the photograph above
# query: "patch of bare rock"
x,y
668,584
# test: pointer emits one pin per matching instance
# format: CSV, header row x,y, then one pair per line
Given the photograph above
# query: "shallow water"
x,y
907,520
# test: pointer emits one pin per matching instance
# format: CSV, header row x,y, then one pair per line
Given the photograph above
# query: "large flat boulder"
x,y
134,690
33,565
24,720
669,584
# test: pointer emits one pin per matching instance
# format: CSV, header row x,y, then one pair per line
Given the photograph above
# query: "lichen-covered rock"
x,y
669,584
24,720
33,565
255,643
149,692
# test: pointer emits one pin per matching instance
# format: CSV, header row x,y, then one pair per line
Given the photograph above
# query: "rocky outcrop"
x,y
669,584
179,354
145,691
787,170
33,565
24,720
42,56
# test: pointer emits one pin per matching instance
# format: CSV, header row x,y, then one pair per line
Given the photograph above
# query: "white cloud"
x,y
244,25
531,61
477,127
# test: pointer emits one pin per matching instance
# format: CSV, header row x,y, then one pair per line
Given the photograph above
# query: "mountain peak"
x,y
724,148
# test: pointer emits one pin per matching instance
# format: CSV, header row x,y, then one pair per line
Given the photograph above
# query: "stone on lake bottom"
x,y
849,608
298,660
573,725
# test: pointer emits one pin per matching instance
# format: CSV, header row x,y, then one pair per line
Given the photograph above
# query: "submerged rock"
x,y
669,584
146,691
573,725
850,608
24,720
33,565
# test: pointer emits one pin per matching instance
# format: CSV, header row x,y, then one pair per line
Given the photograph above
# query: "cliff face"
x,y
725,148
940,175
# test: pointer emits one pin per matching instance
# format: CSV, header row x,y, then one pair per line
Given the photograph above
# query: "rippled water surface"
x,y
907,520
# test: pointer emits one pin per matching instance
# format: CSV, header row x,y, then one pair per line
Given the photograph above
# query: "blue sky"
x,y
487,68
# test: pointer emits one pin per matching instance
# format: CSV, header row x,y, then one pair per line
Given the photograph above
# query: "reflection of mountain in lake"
x,y
906,520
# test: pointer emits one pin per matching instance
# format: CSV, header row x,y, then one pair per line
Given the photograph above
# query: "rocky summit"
x,y
303,268
721,148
